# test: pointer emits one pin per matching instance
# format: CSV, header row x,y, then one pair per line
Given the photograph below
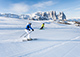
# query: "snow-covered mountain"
x,y
50,15
9,15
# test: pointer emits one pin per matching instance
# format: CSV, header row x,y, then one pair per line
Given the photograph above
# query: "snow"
x,y
56,40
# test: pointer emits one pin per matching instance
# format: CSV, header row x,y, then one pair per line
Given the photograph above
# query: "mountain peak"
x,y
49,15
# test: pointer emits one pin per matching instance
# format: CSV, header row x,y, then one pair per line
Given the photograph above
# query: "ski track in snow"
x,y
20,40
69,51
47,49
11,40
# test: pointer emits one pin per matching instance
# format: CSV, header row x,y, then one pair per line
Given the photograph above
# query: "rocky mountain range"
x,y
50,15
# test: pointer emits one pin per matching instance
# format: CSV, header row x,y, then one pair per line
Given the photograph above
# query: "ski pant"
x,y
41,28
28,32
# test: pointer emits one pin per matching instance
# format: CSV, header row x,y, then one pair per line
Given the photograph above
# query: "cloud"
x,y
19,8
43,4
67,9
77,9
24,8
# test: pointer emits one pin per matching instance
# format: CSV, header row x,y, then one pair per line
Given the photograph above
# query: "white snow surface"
x,y
56,40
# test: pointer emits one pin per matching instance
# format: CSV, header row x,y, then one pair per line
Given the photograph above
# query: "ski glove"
x,y
29,29
32,29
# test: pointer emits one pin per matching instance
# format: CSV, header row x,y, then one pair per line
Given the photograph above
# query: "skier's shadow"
x,y
55,40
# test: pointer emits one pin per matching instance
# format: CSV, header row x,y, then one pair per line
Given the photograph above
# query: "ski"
x,y
29,39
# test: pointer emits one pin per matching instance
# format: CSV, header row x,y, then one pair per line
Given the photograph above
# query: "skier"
x,y
27,29
42,26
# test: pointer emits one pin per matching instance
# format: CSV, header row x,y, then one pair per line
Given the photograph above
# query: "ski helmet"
x,y
29,23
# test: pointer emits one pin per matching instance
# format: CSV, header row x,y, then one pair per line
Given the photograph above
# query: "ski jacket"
x,y
42,25
28,27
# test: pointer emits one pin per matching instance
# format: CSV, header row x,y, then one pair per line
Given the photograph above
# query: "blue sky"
x,y
71,8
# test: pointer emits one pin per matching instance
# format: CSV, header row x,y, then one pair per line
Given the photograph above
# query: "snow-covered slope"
x,y
56,40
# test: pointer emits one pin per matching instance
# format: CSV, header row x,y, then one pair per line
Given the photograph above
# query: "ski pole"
x,y
22,34
27,34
